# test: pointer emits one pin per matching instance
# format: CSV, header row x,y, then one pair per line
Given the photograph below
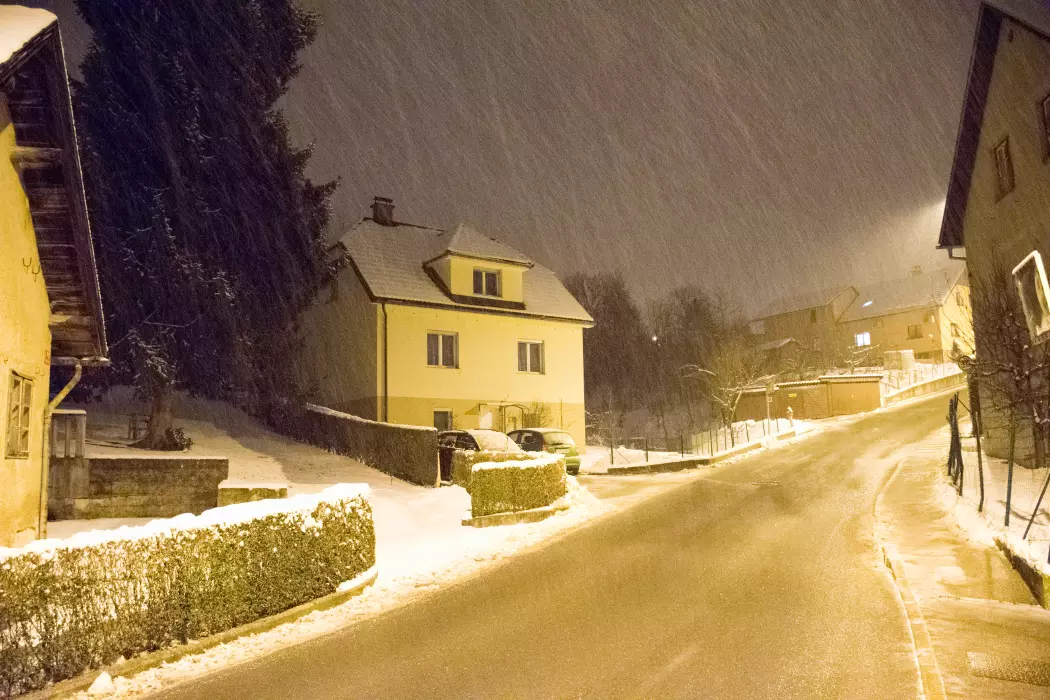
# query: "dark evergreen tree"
x,y
209,234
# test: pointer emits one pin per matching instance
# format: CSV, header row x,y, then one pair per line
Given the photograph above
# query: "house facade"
x,y
50,309
925,312
444,328
997,209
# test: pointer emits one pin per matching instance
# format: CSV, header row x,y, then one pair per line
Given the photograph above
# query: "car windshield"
x,y
494,441
559,439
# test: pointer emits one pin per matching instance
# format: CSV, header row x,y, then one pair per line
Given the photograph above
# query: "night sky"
x,y
753,148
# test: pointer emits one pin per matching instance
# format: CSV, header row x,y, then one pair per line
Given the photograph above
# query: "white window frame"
x,y
18,434
529,369
485,272
862,339
441,340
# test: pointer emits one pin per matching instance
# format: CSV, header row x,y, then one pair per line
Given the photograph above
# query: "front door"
x,y
443,420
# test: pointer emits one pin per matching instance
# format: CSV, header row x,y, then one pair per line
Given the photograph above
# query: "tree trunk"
x,y
159,434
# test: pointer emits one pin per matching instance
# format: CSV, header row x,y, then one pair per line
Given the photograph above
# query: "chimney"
x,y
383,211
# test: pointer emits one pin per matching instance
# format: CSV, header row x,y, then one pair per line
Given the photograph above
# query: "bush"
x,y
67,606
511,486
463,462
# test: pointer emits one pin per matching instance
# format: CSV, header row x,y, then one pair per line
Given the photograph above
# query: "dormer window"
x,y
487,283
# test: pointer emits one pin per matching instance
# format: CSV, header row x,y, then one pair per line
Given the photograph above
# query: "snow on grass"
x,y
440,550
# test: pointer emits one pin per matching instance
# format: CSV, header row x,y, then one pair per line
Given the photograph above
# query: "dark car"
x,y
549,440
451,440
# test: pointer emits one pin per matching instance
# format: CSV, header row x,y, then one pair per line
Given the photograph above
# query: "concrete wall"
x,y
488,369
133,487
25,344
1000,232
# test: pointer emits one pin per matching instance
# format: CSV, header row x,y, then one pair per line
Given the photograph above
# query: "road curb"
x,y
532,515
931,683
172,654
1037,581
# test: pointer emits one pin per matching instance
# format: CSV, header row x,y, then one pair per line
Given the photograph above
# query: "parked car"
x,y
451,440
549,440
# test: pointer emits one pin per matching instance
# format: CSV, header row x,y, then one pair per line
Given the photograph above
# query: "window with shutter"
x,y
19,406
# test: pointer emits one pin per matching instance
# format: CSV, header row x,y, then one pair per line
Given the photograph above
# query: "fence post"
x,y
1010,469
612,452
646,449
747,434
681,445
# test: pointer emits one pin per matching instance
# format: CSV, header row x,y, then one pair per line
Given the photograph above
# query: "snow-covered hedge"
x,y
67,606
463,462
511,486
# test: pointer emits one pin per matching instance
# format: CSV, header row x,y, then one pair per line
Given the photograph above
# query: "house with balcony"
x,y
444,328
50,308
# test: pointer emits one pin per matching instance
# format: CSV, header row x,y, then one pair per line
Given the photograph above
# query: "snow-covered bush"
x,y
463,462
511,486
67,606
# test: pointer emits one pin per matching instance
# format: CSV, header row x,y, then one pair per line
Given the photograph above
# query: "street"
x,y
760,580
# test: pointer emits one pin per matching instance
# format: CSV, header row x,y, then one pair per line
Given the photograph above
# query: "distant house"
x,y
924,312
444,328
50,309
997,209
808,318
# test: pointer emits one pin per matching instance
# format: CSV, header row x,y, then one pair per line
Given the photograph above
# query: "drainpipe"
x,y
41,528
386,359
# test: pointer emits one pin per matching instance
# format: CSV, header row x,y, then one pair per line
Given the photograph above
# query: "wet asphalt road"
x,y
760,581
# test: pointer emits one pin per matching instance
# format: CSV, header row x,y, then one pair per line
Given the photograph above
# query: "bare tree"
x,y
1011,370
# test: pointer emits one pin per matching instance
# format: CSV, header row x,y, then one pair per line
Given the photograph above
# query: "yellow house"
x,y
997,209
50,309
446,329
925,312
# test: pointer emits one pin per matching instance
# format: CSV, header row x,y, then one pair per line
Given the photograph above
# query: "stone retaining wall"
x,y
133,487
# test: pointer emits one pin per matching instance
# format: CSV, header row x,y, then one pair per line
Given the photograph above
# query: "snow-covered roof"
x,y
467,241
801,302
916,291
391,262
18,26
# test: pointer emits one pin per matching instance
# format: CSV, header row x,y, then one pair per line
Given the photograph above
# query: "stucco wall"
x,y
999,233
488,367
339,347
890,332
25,343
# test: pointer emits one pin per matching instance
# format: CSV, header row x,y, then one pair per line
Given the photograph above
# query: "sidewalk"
x,y
978,630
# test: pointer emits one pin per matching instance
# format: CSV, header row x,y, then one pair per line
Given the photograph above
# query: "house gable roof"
x,y
916,291
802,302
466,241
33,77
392,264
1033,15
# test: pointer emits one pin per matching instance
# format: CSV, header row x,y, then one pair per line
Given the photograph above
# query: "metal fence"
x,y
1013,496
715,440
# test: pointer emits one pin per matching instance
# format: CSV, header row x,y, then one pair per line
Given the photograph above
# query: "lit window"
x,y
442,350
915,332
1004,167
863,339
530,356
19,401
487,283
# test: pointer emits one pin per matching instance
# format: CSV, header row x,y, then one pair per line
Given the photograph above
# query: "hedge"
x,y
463,462
68,606
512,486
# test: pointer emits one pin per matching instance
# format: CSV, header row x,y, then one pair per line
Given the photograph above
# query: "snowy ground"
x,y
420,541
990,522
